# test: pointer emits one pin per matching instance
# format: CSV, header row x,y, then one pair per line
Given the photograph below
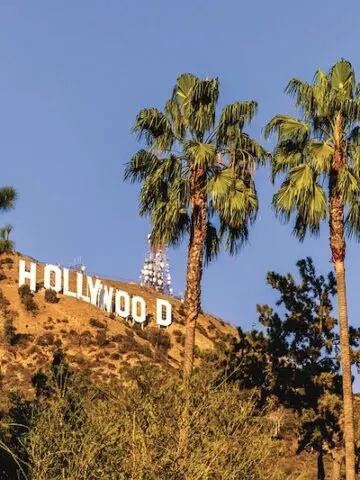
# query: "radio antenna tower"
x,y
77,265
155,273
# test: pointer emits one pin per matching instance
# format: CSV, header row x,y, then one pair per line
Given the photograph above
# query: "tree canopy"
x,y
303,157
188,135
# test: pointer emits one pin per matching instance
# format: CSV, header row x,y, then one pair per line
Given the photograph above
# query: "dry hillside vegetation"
x,y
93,340
34,327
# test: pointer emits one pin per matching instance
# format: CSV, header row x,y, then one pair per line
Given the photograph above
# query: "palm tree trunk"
x,y
346,372
338,250
336,467
194,266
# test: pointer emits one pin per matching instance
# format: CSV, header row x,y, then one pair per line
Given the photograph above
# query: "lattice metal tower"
x,y
155,272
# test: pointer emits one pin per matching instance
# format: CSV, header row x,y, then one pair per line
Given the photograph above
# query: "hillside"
x,y
92,339
107,347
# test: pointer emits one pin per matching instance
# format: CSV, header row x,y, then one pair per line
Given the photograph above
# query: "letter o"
x,y
48,270
138,317
122,312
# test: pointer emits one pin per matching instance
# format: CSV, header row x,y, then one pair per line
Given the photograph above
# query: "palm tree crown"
x,y
8,197
306,148
184,141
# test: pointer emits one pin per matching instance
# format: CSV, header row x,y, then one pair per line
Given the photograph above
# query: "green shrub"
x,y
86,338
4,302
45,340
79,359
27,298
24,290
140,332
179,337
22,339
101,338
129,332
159,338
29,303
117,338
96,323
202,330
128,344
221,346
197,351
9,331
160,357
51,296
145,350
115,356
79,429
7,261
211,327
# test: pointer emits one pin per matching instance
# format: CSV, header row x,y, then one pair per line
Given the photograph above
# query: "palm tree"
x,y
318,158
196,178
8,197
6,244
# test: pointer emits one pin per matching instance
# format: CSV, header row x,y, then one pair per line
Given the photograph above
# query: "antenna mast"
x,y
155,273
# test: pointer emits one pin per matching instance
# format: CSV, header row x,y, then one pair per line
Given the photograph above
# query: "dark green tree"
x,y
296,357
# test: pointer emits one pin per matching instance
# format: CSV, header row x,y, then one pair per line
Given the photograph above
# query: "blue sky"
x,y
75,73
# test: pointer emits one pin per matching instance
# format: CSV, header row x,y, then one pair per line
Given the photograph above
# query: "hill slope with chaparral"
x,y
106,346
91,338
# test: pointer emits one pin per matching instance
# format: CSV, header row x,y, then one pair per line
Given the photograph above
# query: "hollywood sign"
x,y
106,298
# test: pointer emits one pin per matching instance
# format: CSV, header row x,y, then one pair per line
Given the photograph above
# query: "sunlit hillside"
x,y
92,339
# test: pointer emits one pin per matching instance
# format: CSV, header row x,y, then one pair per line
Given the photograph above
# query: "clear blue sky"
x,y
75,73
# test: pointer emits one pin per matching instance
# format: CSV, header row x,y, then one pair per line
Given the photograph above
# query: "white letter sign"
x,y
48,270
111,300
79,287
93,289
141,316
23,275
122,311
67,290
163,312
105,298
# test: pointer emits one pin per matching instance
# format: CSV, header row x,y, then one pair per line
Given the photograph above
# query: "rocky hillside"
x,y
32,329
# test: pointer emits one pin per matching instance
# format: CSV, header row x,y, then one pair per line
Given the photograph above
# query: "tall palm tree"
x,y
318,157
6,244
8,197
196,177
